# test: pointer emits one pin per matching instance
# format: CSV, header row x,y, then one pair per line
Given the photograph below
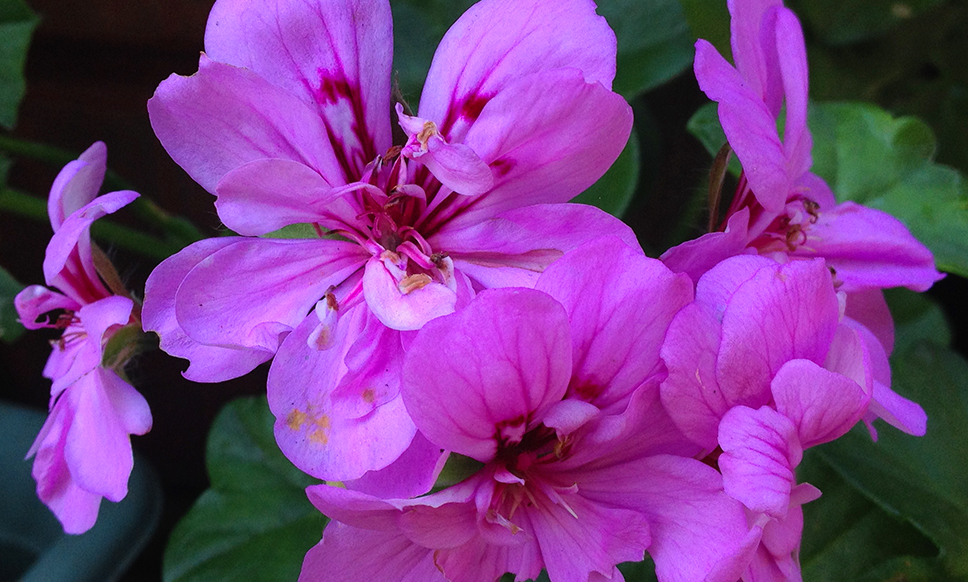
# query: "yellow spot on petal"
x,y
414,282
319,436
369,395
296,419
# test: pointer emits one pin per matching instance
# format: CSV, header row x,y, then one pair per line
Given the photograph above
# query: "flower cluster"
x,y
450,310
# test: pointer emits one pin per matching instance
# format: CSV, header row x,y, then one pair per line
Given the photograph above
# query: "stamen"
x,y
412,283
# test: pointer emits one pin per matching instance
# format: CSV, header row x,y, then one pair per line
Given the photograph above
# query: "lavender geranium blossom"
x,y
287,122
83,451
580,467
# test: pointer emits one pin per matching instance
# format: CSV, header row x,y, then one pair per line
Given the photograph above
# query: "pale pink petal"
x,y
98,448
784,312
36,301
335,56
207,363
760,452
68,264
749,126
870,249
223,117
250,293
497,42
77,184
823,405
539,154
75,507
482,374
307,430
349,553
513,248
618,317
399,306
267,194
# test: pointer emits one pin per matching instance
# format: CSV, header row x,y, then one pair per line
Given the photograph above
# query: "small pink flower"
x,y
83,451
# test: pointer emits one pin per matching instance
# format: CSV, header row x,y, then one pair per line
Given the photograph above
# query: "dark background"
x,y
92,66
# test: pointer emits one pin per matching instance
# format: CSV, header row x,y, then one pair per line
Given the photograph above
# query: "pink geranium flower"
x,y
760,368
580,468
286,122
780,208
83,451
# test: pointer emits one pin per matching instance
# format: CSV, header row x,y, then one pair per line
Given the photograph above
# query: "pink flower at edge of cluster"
x,y
581,468
287,122
83,451
783,211
762,367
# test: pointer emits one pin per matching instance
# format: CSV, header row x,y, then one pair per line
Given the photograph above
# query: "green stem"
x,y
120,236
177,229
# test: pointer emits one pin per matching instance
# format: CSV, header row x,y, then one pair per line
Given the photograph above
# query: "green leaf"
x,y
917,318
17,24
654,42
870,157
704,126
613,192
921,479
10,328
709,20
839,22
847,537
255,522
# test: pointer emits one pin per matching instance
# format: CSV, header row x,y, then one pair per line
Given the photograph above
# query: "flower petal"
x,y
223,117
207,363
407,476
399,307
77,184
318,441
253,291
349,553
540,154
499,41
35,301
334,56
618,317
489,368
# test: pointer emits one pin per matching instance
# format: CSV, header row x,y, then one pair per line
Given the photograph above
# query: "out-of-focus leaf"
x,y
17,24
613,191
654,42
921,479
10,328
917,318
870,157
709,20
839,22
255,522
847,537
704,125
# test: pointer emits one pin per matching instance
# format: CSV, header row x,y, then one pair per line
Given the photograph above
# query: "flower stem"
x,y
120,236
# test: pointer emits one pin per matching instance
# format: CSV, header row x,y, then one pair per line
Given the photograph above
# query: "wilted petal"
x,y
223,117
497,42
499,362
35,301
334,56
